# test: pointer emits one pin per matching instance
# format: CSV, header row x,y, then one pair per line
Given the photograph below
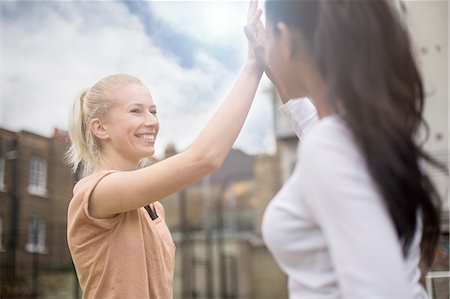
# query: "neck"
x,y
113,161
310,84
318,97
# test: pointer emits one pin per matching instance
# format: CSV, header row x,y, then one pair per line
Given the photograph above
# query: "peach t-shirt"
x,y
126,256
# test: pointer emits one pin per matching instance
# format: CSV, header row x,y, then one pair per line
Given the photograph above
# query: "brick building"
x,y
35,189
216,224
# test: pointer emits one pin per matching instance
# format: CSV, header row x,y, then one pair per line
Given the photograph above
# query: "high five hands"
x,y
254,31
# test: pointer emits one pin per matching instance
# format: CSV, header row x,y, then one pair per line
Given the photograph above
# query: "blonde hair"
x,y
95,102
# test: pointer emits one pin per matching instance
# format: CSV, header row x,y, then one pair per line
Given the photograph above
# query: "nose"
x,y
151,120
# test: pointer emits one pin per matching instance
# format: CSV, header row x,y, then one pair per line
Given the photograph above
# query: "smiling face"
x,y
131,126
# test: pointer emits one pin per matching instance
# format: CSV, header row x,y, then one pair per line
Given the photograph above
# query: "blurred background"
x,y
188,54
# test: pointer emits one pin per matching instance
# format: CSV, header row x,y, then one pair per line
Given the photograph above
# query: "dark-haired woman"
x,y
358,213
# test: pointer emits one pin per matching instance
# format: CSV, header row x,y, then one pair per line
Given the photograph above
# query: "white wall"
x,y
428,24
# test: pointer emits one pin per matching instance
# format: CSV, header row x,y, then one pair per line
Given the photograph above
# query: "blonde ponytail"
x,y
95,102
77,130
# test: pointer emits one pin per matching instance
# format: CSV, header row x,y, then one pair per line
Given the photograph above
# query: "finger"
x,y
254,21
251,36
252,7
260,26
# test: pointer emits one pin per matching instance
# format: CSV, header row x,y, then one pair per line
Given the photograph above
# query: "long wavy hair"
x,y
363,52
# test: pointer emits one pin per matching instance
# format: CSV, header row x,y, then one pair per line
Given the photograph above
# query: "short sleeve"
x,y
105,223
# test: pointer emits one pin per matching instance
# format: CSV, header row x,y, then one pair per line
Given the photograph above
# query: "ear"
x,y
287,41
98,129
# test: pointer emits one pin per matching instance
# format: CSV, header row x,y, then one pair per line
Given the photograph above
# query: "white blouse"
x,y
328,228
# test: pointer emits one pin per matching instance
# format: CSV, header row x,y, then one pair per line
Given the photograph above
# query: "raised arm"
x,y
124,191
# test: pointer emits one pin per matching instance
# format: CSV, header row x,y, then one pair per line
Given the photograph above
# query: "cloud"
x,y
51,50
211,22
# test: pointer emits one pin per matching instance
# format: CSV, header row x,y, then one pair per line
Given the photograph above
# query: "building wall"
x,y
18,265
31,205
428,25
61,182
268,280
248,270
6,138
268,182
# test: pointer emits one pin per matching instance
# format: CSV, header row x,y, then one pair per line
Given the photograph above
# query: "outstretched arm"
x,y
124,191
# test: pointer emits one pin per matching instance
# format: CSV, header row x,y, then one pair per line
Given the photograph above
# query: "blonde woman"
x,y
118,239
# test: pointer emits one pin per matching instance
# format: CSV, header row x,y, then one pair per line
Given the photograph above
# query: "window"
x,y
2,249
2,174
36,235
37,182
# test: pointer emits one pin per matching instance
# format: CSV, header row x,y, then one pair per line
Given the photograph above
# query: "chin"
x,y
145,154
149,153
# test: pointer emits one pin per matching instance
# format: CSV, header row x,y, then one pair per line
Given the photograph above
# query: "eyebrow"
x,y
142,105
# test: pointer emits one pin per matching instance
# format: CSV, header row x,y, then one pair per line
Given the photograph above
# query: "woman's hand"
x,y
254,31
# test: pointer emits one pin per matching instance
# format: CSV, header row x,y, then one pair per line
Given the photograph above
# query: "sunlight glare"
x,y
222,19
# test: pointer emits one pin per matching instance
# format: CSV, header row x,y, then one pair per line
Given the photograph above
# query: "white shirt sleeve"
x,y
301,113
361,238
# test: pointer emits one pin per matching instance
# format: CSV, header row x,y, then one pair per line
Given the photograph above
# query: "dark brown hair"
x,y
364,55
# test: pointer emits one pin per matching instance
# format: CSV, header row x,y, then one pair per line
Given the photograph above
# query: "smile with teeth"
x,y
148,137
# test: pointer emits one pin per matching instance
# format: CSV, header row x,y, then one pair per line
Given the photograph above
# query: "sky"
x,y
187,53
